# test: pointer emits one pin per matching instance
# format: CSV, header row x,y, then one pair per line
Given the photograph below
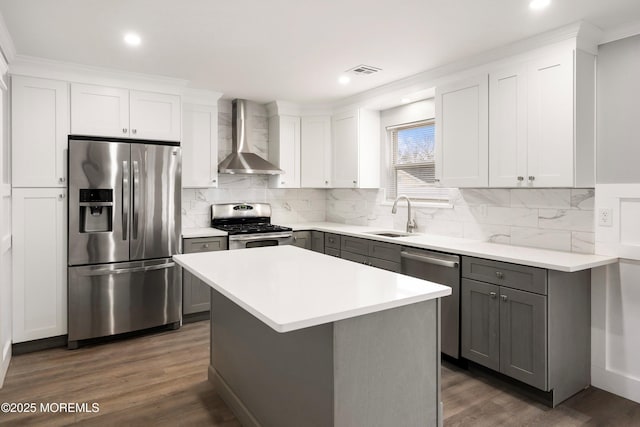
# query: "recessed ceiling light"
x,y
343,80
405,100
132,39
539,4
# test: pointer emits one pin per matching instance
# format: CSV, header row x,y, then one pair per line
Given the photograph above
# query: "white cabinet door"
x,y
154,116
284,150
551,121
200,146
345,151
462,150
508,127
39,263
40,127
315,156
99,110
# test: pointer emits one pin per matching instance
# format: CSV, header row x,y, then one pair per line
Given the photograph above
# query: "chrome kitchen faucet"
x,y
411,224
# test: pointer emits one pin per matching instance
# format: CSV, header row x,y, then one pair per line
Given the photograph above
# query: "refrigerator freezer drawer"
x,y
109,299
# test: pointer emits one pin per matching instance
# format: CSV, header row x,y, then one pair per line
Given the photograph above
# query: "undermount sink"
x,y
389,233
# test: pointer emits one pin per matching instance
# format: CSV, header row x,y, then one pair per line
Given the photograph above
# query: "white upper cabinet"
x,y
315,156
199,146
40,127
154,115
462,121
116,112
508,127
541,121
356,149
99,110
39,263
284,150
550,121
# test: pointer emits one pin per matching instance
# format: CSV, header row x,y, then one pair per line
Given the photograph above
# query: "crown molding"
x,y
200,96
622,32
6,42
78,73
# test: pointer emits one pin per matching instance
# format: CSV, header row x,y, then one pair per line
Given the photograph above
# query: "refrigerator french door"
x,y
124,226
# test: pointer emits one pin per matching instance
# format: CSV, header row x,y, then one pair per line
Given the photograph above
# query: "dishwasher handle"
x,y
429,260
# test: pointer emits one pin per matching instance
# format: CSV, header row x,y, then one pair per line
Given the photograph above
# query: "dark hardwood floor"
x,y
161,380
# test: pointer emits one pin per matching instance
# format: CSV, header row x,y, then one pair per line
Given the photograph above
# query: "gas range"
x,y
249,225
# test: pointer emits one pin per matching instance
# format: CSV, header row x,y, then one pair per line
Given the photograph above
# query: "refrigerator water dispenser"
x,y
96,210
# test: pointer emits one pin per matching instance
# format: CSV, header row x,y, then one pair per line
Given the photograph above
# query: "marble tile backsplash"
x,y
561,219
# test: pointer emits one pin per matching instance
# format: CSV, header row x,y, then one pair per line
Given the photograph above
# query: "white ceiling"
x,y
290,50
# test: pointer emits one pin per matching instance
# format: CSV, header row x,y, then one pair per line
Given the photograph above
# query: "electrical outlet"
x,y
605,217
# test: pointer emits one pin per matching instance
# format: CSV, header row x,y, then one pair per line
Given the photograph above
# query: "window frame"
x,y
434,194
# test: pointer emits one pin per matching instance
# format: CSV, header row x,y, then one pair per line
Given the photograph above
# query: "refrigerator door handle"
x,y
125,199
136,198
109,271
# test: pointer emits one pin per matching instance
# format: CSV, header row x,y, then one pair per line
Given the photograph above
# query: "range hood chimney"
x,y
241,159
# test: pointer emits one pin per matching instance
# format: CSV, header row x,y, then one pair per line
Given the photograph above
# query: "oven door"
x,y
260,239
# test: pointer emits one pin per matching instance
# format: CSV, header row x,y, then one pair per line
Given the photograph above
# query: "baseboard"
x,y
232,400
38,345
615,383
196,317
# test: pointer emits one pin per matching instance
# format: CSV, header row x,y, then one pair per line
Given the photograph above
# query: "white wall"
x,y
5,232
615,290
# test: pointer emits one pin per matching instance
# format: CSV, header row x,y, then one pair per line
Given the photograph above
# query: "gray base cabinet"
x,y
332,244
370,252
196,294
302,239
528,323
317,241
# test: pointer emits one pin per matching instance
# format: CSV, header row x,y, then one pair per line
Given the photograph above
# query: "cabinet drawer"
x,y
317,241
331,241
354,245
350,256
332,251
531,279
385,264
384,251
204,244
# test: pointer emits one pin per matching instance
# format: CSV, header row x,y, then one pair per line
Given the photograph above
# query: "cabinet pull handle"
x,y
61,179
214,180
504,297
355,182
124,130
134,131
521,178
61,196
493,295
206,245
532,178
282,182
326,182
499,275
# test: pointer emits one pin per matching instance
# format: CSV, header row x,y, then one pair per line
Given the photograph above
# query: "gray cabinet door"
x,y
523,336
302,239
480,328
384,264
196,295
317,241
359,258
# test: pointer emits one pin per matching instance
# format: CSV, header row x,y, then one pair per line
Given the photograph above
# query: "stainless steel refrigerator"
x,y
124,226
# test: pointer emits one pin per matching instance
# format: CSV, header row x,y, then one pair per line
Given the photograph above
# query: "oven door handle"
x,y
260,236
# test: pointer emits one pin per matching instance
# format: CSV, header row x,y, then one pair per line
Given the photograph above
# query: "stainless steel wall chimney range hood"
x,y
241,159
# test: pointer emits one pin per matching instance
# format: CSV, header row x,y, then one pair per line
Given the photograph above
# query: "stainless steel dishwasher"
x,y
445,270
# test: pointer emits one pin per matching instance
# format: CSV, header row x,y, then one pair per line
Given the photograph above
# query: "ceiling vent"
x,y
363,70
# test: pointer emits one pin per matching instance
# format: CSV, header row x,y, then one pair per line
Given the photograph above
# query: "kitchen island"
x,y
301,338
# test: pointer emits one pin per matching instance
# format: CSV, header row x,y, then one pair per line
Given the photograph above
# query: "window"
x,y
412,171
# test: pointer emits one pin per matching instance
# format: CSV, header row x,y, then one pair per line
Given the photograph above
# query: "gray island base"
x,y
377,369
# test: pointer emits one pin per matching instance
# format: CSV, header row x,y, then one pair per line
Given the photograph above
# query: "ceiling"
x,y
292,50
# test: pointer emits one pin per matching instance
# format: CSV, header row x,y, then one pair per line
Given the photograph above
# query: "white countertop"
x,y
543,258
289,288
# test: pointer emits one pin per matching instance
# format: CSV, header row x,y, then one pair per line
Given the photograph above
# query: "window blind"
x,y
412,171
